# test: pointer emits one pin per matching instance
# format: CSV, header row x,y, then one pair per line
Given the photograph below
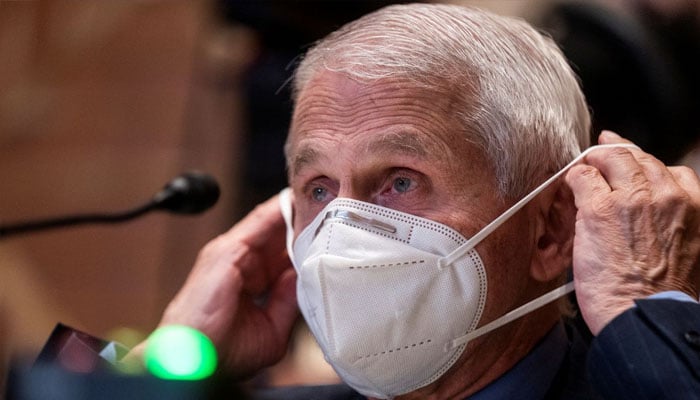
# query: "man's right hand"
x,y
241,293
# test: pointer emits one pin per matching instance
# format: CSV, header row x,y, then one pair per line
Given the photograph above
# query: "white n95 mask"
x,y
372,293
391,298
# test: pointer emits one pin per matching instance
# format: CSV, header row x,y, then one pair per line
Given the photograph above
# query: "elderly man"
x,y
414,128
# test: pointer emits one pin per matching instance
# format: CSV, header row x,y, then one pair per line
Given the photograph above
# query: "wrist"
x,y
673,295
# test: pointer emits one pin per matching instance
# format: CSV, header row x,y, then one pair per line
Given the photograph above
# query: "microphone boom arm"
x,y
52,223
189,193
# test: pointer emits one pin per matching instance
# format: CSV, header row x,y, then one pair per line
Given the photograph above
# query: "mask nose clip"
x,y
356,219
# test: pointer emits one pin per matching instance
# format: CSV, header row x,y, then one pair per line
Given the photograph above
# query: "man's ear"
x,y
555,229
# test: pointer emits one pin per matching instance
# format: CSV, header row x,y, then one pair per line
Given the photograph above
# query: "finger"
x,y
259,226
261,272
654,169
610,137
207,293
255,246
282,307
587,184
619,167
688,180
656,172
263,232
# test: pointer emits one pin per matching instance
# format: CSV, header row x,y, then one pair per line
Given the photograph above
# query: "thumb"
x,y
586,184
282,306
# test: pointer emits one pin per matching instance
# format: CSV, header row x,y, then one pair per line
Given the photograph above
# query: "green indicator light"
x,y
180,352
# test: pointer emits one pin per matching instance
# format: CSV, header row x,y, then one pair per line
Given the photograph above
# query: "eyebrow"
x,y
410,144
307,155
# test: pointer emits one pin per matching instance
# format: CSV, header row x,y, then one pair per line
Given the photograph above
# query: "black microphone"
x,y
189,193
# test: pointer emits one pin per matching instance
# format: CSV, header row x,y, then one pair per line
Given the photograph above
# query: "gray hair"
x,y
520,100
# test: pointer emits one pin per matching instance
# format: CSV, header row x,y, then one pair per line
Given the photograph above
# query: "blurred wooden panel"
x,y
101,103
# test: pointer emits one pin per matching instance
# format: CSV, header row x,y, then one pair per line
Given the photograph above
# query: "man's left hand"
x,y
637,230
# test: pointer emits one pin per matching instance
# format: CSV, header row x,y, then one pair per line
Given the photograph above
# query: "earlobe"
x,y
554,234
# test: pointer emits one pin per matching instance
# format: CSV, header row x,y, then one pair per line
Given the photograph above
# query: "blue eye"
x,y
319,194
402,185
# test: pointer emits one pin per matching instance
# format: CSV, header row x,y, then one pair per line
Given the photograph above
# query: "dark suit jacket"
x,y
649,352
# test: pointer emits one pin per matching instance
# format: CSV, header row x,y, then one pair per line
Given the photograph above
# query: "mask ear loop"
x,y
513,315
462,250
285,200
472,242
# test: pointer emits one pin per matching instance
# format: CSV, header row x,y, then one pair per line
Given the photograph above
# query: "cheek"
x,y
507,254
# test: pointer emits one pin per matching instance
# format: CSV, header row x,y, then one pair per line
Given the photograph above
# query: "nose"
x,y
349,190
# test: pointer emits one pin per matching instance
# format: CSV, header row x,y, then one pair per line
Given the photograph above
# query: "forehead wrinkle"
x,y
404,143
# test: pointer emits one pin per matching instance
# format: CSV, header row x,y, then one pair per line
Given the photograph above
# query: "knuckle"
x,y
582,176
620,152
586,171
607,206
638,179
673,196
259,211
212,246
615,154
678,198
649,160
639,196
684,170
